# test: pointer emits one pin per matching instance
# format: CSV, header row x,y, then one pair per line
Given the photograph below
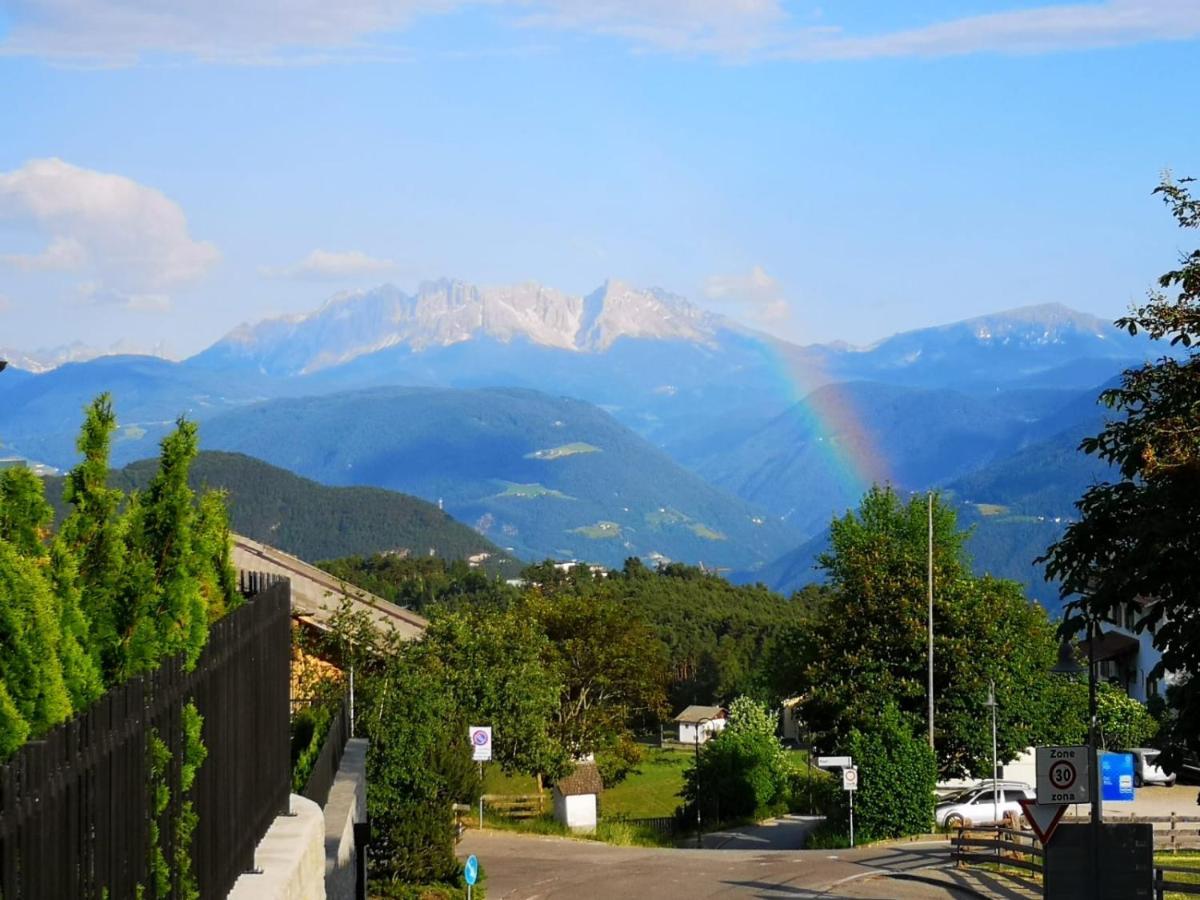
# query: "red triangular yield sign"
x,y
1043,819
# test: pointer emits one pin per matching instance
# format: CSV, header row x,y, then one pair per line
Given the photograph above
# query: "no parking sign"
x,y
481,743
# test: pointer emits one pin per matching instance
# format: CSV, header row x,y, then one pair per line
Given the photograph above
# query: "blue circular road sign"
x,y
471,870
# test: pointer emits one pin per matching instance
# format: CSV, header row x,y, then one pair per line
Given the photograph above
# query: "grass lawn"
x,y
652,792
1180,860
496,782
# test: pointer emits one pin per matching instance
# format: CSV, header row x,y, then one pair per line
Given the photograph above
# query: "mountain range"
x,y
735,432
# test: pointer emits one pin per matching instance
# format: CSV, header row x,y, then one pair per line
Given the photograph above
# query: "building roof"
x,y
693,714
317,595
584,780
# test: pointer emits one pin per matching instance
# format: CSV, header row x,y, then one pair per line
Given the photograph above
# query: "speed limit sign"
x,y
850,778
1062,775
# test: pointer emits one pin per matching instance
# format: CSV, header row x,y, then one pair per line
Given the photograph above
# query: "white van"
x,y
1146,769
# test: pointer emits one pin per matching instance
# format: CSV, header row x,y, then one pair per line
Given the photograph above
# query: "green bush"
x,y
399,890
897,778
628,834
829,835
813,791
309,728
743,772
416,842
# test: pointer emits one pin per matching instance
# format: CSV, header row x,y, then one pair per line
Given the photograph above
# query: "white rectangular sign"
x,y
834,762
1062,775
850,778
481,743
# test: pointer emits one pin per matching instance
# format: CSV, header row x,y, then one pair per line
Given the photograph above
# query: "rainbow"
x,y
830,411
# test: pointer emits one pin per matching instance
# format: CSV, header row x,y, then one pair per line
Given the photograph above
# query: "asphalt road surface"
x,y
531,867
784,833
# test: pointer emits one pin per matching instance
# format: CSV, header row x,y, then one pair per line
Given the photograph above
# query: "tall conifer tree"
x,y
92,533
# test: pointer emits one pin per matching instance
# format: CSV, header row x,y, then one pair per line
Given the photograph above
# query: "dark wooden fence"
x,y
75,805
1011,848
515,806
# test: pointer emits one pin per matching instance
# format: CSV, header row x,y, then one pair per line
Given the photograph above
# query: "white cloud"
x,y
61,255
120,31
129,242
313,31
1044,29
328,264
756,293
93,292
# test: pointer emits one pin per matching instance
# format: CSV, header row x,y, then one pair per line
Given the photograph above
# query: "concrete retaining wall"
x,y
347,805
290,858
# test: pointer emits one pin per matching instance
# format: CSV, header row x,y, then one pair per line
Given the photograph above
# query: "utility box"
x,y
1126,863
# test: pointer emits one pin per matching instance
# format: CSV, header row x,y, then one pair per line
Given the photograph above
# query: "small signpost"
x,y
850,783
481,743
1043,818
849,780
1062,775
470,873
481,752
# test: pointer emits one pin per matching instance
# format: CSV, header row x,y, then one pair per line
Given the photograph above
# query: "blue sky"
x,y
825,173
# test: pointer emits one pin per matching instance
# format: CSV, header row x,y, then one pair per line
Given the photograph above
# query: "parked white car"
x,y
976,805
1146,769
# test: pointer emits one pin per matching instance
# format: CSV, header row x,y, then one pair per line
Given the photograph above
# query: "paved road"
x,y
529,867
784,833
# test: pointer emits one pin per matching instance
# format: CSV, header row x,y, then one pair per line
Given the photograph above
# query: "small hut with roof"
x,y
576,797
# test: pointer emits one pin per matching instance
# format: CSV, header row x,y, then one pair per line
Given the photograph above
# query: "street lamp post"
x,y
991,701
1068,666
699,832
1093,755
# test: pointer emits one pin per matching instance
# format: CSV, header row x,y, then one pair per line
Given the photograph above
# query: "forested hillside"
x,y
544,476
719,638
312,521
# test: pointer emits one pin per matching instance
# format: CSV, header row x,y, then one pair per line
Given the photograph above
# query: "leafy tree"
x,y
897,776
743,770
422,583
1137,541
418,764
720,637
1122,722
611,667
868,644
493,663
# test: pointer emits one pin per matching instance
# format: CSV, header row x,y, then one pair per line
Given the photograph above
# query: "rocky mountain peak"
x,y
445,312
